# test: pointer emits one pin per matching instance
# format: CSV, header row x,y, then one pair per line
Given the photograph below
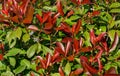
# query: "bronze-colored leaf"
x,y
29,15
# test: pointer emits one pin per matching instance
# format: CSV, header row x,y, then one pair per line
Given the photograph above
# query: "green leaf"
x,y
12,61
9,36
13,52
115,5
2,66
55,74
67,68
18,32
31,51
111,34
12,43
115,11
112,23
39,48
7,73
26,37
46,50
25,62
115,56
19,69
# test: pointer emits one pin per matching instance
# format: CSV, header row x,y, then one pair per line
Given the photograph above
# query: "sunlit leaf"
x,y
31,51
67,68
19,69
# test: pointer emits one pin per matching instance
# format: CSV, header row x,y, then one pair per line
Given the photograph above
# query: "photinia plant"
x,y
59,38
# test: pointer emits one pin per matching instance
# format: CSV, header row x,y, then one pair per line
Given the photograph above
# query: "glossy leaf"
x,y
31,51
26,37
115,42
65,28
19,69
59,7
33,28
43,62
48,59
76,45
78,71
67,48
76,27
13,52
61,71
39,18
67,68
23,6
12,61
86,49
71,12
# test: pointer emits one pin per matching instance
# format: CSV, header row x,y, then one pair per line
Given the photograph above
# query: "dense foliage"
x,y
59,37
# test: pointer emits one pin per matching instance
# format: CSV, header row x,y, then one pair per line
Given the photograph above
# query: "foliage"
x,y
59,37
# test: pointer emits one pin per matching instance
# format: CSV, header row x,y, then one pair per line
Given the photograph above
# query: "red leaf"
x,y
33,27
83,59
112,70
43,62
23,6
15,19
2,47
47,31
70,58
90,68
33,1
100,37
65,28
100,65
61,71
66,39
76,27
58,49
86,49
60,45
80,42
71,12
48,26
32,74
55,18
111,75
29,16
48,59
85,2
86,66
104,44
56,57
45,16
59,7
115,42
76,45
39,18
92,37
74,1
99,54
1,57
67,48
78,71
95,13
